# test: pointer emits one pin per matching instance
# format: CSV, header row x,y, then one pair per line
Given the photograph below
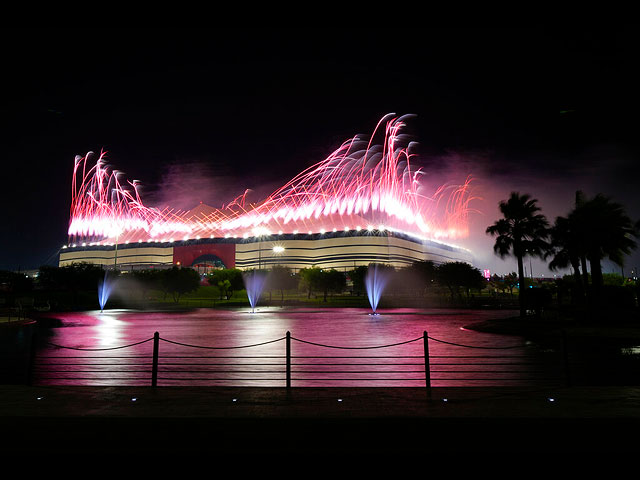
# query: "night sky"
x,y
541,111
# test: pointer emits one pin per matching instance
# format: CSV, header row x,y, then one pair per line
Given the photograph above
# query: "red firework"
x,y
361,185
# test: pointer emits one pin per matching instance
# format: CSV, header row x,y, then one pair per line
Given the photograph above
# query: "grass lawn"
x,y
208,297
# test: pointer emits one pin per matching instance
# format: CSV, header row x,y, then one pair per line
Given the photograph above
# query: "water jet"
x,y
375,281
254,284
104,291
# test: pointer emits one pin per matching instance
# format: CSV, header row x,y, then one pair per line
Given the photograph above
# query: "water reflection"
x,y
109,329
330,347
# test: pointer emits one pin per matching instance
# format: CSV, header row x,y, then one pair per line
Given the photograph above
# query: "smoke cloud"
x,y
553,179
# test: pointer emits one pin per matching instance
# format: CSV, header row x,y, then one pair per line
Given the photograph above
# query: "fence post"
x,y
288,360
154,368
427,367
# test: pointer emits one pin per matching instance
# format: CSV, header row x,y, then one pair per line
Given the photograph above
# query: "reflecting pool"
x,y
329,347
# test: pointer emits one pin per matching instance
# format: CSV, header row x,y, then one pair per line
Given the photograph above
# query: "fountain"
x,y
375,281
254,283
104,290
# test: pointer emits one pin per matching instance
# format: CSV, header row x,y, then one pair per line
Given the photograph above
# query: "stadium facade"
x,y
340,250
363,204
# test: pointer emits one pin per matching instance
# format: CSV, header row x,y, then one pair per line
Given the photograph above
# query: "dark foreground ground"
x,y
249,420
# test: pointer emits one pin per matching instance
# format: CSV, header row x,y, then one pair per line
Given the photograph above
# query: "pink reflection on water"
x,y
329,347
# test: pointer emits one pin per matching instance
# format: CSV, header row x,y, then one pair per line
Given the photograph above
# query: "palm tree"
x,y
522,231
605,231
580,227
565,248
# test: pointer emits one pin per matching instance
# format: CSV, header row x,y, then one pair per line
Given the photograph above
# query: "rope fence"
x,y
415,368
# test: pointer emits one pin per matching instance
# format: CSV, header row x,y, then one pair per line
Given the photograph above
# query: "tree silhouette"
x,y
332,281
228,280
310,279
454,275
522,231
179,281
566,250
357,276
326,281
281,278
511,281
604,230
422,274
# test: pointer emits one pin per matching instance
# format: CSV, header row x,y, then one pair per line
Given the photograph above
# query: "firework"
x,y
361,185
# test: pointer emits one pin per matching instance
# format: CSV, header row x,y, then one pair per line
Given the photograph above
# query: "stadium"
x,y
365,203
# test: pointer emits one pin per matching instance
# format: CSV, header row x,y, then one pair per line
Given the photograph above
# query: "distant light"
x,y
370,228
278,249
39,398
339,399
381,227
64,246
246,235
445,399
226,235
279,232
346,229
234,400
197,237
84,244
322,230
552,399
334,230
310,232
134,399
295,232
358,228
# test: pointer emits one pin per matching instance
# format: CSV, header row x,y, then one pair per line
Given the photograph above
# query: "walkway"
x,y
330,420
